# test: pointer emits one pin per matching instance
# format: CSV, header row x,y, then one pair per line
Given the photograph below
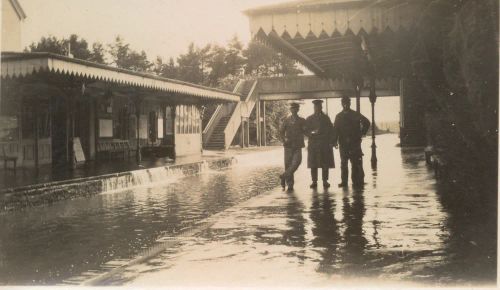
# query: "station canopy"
x,y
22,65
348,39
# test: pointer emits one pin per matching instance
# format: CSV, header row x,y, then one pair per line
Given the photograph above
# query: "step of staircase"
x,y
217,140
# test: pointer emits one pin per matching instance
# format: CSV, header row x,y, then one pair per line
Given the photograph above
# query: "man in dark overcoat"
x,y
292,133
349,127
320,147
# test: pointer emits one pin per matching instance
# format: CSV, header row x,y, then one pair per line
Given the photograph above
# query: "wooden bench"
x,y
159,151
111,147
6,158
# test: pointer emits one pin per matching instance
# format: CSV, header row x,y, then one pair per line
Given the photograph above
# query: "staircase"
x,y
225,121
246,88
217,139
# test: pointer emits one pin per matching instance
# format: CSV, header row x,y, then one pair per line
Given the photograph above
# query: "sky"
x,y
160,28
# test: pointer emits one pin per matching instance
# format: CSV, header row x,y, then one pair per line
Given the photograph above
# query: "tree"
x,y
263,61
124,57
98,53
216,64
48,44
234,59
166,70
78,47
276,112
192,64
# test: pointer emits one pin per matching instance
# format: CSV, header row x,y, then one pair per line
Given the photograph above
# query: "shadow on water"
x,y
471,243
355,241
325,231
295,234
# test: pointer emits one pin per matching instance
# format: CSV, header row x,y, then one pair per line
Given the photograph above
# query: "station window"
x,y
177,119
187,120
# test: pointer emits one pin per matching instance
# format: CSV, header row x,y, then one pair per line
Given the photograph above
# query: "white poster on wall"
x,y
143,127
105,128
160,128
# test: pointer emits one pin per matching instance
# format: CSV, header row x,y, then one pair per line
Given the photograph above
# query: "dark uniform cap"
x,y
346,99
294,105
318,102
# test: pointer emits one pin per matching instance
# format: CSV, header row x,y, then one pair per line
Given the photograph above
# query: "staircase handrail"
x,y
235,120
216,116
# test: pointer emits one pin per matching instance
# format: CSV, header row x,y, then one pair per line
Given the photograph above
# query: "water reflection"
x,y
295,234
325,230
355,242
401,227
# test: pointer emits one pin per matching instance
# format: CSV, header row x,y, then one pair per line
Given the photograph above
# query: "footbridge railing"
x,y
243,110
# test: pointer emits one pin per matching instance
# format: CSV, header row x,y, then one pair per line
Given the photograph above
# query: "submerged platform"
x,y
27,188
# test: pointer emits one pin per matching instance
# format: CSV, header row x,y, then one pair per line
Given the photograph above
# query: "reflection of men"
x,y
319,149
349,127
325,231
354,237
292,134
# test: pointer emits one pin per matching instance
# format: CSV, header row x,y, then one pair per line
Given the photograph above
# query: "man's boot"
x,y
283,181
326,184
314,177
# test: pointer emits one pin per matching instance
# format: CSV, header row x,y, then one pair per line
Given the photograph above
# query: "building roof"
x,y
294,6
341,38
22,64
18,8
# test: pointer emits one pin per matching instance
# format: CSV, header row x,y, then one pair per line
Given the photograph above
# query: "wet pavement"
x,y
236,227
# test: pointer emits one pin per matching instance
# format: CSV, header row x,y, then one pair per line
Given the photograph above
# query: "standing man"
x,y
349,127
320,147
292,133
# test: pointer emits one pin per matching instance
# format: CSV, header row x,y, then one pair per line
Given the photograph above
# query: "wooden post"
x,y
174,116
96,127
138,156
19,110
164,113
242,133
72,161
373,99
248,132
37,135
257,123
67,135
326,107
264,121
357,90
199,124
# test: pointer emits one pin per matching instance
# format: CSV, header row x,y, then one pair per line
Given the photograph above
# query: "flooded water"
x,y
50,244
401,228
